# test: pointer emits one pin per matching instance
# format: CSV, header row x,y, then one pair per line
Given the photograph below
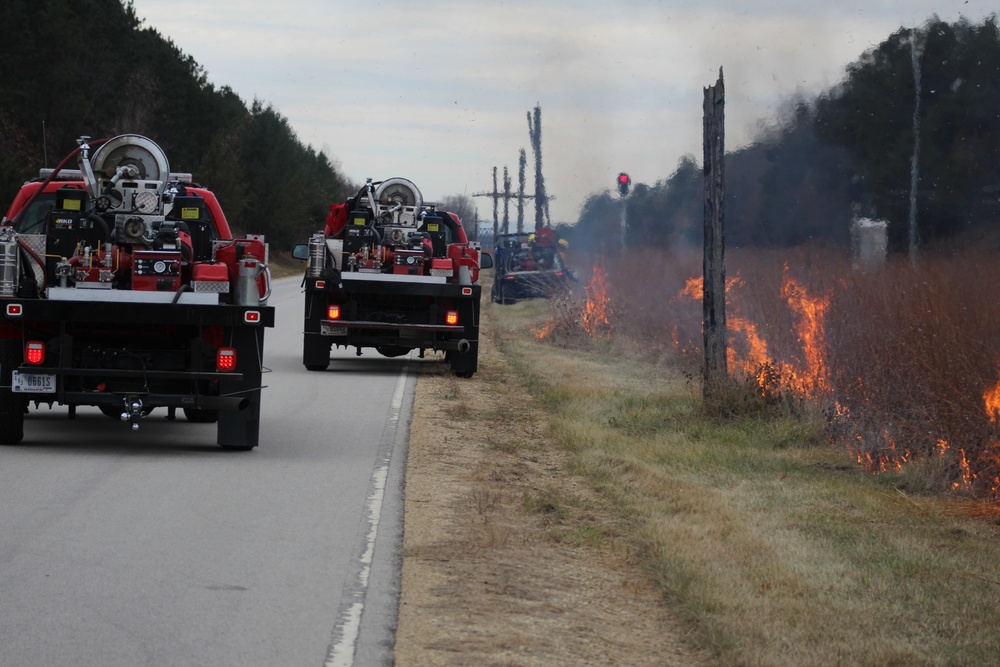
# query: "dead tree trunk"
x,y
714,301
496,219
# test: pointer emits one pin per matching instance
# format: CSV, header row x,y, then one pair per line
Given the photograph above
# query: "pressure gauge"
x,y
146,201
160,266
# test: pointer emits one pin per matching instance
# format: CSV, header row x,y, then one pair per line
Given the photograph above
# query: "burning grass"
x,y
904,361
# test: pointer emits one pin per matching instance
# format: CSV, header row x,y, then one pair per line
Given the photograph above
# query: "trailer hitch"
x,y
133,411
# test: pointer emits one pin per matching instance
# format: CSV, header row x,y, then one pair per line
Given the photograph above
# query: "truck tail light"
x,y
14,310
251,316
34,352
225,359
466,291
333,312
451,317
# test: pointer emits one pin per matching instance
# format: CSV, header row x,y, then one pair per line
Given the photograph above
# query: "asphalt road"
x,y
159,548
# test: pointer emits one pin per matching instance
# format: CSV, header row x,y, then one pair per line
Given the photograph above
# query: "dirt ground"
x,y
500,566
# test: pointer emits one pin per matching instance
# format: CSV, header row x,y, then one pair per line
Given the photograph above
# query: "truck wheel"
x,y
316,353
201,415
11,406
505,297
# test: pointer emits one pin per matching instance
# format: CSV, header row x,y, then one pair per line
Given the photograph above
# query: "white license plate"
x,y
328,330
33,383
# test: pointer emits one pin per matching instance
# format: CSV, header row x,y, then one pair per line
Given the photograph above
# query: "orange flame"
x,y
597,310
693,288
991,397
967,475
545,330
810,310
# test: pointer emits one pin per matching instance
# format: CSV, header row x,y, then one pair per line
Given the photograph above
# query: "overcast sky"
x,y
437,91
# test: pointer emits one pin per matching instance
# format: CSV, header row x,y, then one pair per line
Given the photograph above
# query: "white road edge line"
x,y
341,652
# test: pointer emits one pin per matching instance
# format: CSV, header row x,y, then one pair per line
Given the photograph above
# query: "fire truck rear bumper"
x,y
341,328
159,399
227,403
412,336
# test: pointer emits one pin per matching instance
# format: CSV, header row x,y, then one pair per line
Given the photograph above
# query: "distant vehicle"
x,y
392,272
528,266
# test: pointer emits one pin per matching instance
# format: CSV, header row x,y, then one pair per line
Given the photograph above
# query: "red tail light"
x,y
333,312
34,352
225,359
451,317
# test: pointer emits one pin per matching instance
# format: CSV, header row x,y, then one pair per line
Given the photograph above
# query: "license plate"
x,y
32,383
328,330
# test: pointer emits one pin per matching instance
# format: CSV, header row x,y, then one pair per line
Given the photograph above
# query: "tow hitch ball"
x,y
133,411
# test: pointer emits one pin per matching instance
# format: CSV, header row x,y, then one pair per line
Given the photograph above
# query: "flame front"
x,y
811,312
755,361
545,330
596,317
991,397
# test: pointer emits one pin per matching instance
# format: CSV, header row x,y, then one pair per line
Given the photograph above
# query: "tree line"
x,y
74,67
848,152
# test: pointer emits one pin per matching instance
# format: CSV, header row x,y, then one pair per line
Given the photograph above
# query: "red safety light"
x,y
251,316
451,317
333,312
14,310
34,352
320,284
225,359
466,291
624,180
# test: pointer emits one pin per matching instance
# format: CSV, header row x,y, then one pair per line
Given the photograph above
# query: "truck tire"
x,y
316,353
11,406
504,295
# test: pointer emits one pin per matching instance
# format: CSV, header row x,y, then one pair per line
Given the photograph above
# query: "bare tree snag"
x,y
714,301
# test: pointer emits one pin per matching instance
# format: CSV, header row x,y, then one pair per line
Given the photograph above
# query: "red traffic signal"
x,y
623,182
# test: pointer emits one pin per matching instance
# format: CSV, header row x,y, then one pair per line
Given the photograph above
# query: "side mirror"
x,y
300,251
485,260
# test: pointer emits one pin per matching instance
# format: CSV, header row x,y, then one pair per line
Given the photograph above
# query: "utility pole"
x,y
714,267
506,195
624,181
541,200
506,201
521,164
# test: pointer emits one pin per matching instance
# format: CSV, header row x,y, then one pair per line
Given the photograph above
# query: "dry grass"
x,y
506,559
772,546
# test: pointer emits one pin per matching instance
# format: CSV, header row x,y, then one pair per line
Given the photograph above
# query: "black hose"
x,y
177,294
100,222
